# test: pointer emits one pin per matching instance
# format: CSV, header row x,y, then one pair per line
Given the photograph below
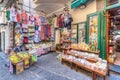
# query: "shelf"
x,y
112,35
66,41
95,71
24,28
111,44
79,56
96,52
31,32
25,32
114,16
59,52
65,48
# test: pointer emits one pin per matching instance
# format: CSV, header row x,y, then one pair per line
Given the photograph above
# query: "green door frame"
x,y
103,35
99,29
117,5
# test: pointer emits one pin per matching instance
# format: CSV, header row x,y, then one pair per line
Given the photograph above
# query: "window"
x,y
111,2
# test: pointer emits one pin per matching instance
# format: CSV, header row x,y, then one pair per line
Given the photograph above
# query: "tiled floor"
x,y
47,68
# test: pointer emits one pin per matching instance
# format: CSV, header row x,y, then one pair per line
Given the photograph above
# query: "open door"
x,y
113,36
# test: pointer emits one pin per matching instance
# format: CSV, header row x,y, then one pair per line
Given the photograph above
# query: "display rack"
x,y
77,64
83,57
31,32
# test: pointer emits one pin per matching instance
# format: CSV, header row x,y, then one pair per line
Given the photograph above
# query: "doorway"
x,y
113,36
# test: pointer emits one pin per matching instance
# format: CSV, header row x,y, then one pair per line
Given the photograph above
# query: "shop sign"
x,y
77,3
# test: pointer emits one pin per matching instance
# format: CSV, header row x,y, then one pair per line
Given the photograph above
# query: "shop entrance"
x,y
113,36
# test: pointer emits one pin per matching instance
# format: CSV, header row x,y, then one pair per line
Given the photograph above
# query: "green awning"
x,y
76,3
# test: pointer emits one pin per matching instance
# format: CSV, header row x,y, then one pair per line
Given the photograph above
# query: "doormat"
x,y
114,68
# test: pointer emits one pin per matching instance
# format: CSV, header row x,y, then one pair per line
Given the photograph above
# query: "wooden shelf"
x,y
66,41
79,56
111,44
65,48
96,52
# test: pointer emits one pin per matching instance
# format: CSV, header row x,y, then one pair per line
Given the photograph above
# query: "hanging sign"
x,y
76,3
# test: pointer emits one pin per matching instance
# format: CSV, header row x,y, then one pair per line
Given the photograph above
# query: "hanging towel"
x,y
42,35
37,22
24,17
25,40
32,19
8,15
13,15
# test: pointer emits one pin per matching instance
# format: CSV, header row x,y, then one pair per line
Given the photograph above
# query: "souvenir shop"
x,y
30,37
80,44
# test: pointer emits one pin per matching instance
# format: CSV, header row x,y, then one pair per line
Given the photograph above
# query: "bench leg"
x,y
104,78
93,76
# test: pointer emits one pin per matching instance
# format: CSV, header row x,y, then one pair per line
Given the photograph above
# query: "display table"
x,y
93,71
87,60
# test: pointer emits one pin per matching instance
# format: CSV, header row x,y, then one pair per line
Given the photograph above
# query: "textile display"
x,y
13,15
24,17
32,19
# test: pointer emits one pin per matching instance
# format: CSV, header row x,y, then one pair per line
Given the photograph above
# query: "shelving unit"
x,y
29,33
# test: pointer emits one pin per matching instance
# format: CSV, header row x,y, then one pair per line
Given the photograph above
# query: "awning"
x,y
76,3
